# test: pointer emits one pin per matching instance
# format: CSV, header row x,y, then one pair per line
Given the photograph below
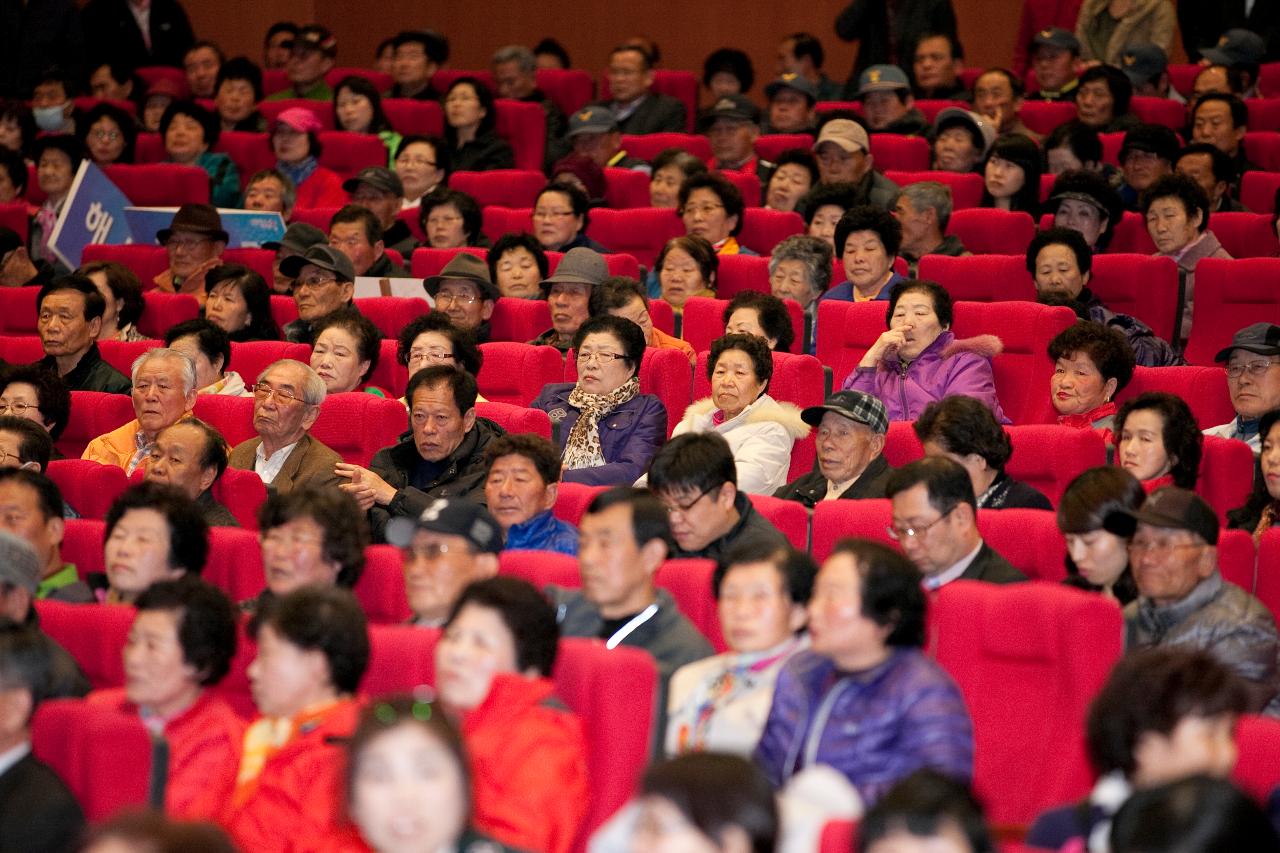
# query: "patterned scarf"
x,y
582,448
298,172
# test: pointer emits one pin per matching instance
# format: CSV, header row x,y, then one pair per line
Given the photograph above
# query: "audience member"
x,y
923,211
638,108
164,392
560,219
1205,164
1147,67
867,240
1072,146
38,395
822,208
802,54
323,281
936,66
998,96
310,538
194,243
209,349
515,76
1092,519
671,168
451,219
925,809
31,508
1147,154
712,207
236,95
1210,812
627,298
380,191
108,134
800,269
517,264
706,801
57,158
1084,201
890,35
843,150
1222,120
795,173
1253,385
732,125
792,99
69,318
1055,63
295,142
191,456
470,123
568,293
687,266
274,191
763,315
520,488
346,351
19,577
885,94
1092,363
727,71
153,533
961,140
422,163
850,429
238,301
593,134
418,55
1102,100
432,340
1158,442
357,108
17,269
1011,175
154,831
122,294
189,131
465,293
356,231
311,56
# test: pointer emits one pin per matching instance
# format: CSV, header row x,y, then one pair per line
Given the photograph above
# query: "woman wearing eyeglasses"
x,y
608,430
432,340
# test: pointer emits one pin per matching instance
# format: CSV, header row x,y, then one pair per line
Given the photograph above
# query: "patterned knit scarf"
x,y
582,448
298,172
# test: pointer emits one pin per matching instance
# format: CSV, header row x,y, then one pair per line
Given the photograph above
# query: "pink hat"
x,y
300,119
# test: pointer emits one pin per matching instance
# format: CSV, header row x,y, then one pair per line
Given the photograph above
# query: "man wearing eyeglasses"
x,y
286,403
323,282
1252,380
164,392
464,292
935,522
1183,600
194,242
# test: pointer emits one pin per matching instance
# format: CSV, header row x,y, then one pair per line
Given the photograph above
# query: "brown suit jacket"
x,y
310,465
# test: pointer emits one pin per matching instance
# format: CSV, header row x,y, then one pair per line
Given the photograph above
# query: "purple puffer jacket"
x,y
947,367
875,727
629,434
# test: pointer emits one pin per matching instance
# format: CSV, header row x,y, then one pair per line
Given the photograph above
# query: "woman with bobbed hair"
x,y
625,297
794,175
122,293
706,802
37,394
346,351
1102,100
751,312
451,219
470,121
153,533
1094,517
108,134
560,218
671,168
1158,441
433,339
867,240
1259,512
517,265
1011,174
800,269
310,537
189,132
181,643
712,208
823,207
238,301
422,162
209,348
926,811
357,106
1092,363
965,431
686,266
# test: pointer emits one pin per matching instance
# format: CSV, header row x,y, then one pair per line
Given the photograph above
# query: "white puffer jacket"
x,y
761,437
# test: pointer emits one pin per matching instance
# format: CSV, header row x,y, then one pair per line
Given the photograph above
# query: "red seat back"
x,y
250,358
392,313
625,188
1266,585
1027,538
413,117
640,232
762,228
519,320
283,310
18,310
444,78
1044,116
572,500
347,153
524,125
506,187
381,586
861,519
747,184
89,487
704,322
1141,286
427,262
790,517
932,106
258,260
1264,114
737,273
241,492
93,634
1257,769
235,561
166,310
1226,474
357,425
516,373
323,110
650,145
14,217
250,151
1262,148
82,545
499,220
103,754
146,261
1269,79
1182,76
93,413
1258,189
846,330
21,349
380,79
899,153
569,89
1131,236
160,184
980,278
151,74
1162,111
966,187
664,373
122,354
988,231
771,145
1230,295
1204,389
516,419
1245,235
390,374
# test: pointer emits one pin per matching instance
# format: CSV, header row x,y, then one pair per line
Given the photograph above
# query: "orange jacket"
x,y
661,340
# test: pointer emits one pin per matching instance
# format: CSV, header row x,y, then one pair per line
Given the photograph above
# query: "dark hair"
x,y
257,299
215,452
48,495
940,296
628,334
772,313
614,293
1247,516
649,58
467,207
62,75
799,157
205,44
1183,441
366,218
541,452
1221,165
946,483
1239,112
890,587
323,619
281,27
124,286
435,45
577,199
212,340
20,114
27,661
1235,80
1117,84
34,444
551,47
16,167
806,44
926,803
1098,499
681,159
964,425
696,461
94,305
358,85
1184,190
1195,813
718,792
188,531
796,568
52,394
124,121
732,61
697,248
1106,347
1014,83
368,338
865,217
1023,152
444,160
757,349
207,120
485,95
649,519
346,533
207,623
462,385
1056,236
241,68
517,240
842,195
725,190
1084,141
467,355
156,832
524,611
1095,186
1152,690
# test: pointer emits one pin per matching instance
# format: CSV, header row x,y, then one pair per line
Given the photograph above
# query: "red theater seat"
x,y
519,320
317,216
1131,236
258,260
737,273
516,419
151,74
524,125
1269,79
899,153
846,330
980,278
500,220
1264,114
250,358
13,216
650,145
94,634
122,354
390,374
445,77
861,519
381,80
18,310
1258,189
640,232
347,153
762,229
89,487
1204,389
771,145
516,373
250,151
1257,769
392,313
1182,76
966,187
145,260
93,413
704,322
1237,558
1044,116
568,88
20,349
323,110
409,116
166,310
381,586
988,231
1266,585
572,500
663,373
790,517
284,310
426,262
624,188
241,492
1141,286
1162,111
1263,150
1027,538
747,184
357,425
103,754
505,187
1229,296
1226,474
1245,235
161,184
235,561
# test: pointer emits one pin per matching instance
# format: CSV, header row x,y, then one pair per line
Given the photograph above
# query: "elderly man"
x,y
194,242
464,292
164,392
1253,379
886,99
923,209
520,488
844,156
379,190
31,508
732,125
1055,59
356,231
418,56
593,133
515,76
297,238
568,294
935,520
791,102
272,191
637,107
453,543
310,58
1147,154
850,430
998,97
695,477
1183,600
191,456
68,319
936,68
441,457
286,403
323,281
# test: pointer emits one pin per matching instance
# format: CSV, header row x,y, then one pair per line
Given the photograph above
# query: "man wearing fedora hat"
x,y
851,427
464,291
568,293
194,242
323,282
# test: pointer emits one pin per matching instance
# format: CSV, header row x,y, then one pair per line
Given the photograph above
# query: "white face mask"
x,y
49,119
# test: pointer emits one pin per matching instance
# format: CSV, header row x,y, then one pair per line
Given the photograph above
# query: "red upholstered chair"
x,y
1204,389
519,320
1257,770
381,586
1229,296
151,74
663,373
506,187
283,310
82,545
690,583
103,754
1238,559
165,310
1269,79
444,78
838,836
499,220
650,145
392,313
572,500
89,487
1245,235
846,330
966,187
762,229
1048,457
347,153
14,217
241,492
625,188
122,354
1027,538
747,184
250,151
1258,189
1161,111
1141,286
771,145
1226,474
317,216
541,568
980,278
235,561
93,413
1131,236
899,153
1182,76
790,517
1016,654
390,374
1264,114
401,658
258,260
409,116
1262,148
1044,116
358,425
1266,585
1111,144
901,444
932,106
569,89
516,419
640,232
662,315
516,373
146,261
250,358
381,80
21,349
323,110
737,273
524,125
160,184
94,635
988,231
704,322
18,310
836,520
427,262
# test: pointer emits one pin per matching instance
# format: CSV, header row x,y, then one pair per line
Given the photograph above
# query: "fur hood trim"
x,y
764,410
986,346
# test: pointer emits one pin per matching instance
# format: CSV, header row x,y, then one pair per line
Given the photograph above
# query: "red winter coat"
x,y
323,188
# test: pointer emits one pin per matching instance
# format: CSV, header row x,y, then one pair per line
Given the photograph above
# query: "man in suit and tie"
x,y
639,109
286,403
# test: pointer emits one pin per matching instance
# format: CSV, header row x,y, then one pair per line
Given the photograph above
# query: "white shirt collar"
x,y
268,467
946,576
13,756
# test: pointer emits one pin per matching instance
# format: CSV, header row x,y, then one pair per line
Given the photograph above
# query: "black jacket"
x,y
116,34
1008,493
483,153
655,114
91,373
384,267
38,814
867,22
215,514
751,524
812,487
32,35
400,238
991,567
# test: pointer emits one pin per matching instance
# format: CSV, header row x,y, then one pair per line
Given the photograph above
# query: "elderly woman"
x,y
1158,441
1102,100
626,298
108,134
1095,518
1072,147
1083,200
122,293
800,269
470,118
961,140
706,802
712,208
1258,514
164,392
209,349
751,312
433,339
37,394
1060,262
795,173
919,360
189,132
864,698
451,219
720,703
310,537
671,168
560,219
1011,174
295,142
822,208
760,430
867,240
517,264
357,106
238,301
608,430
153,533
1092,363
1177,214
493,675
422,162
181,644
685,267
345,352
964,430
57,158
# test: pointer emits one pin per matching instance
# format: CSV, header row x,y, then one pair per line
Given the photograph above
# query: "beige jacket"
x,y
1148,22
